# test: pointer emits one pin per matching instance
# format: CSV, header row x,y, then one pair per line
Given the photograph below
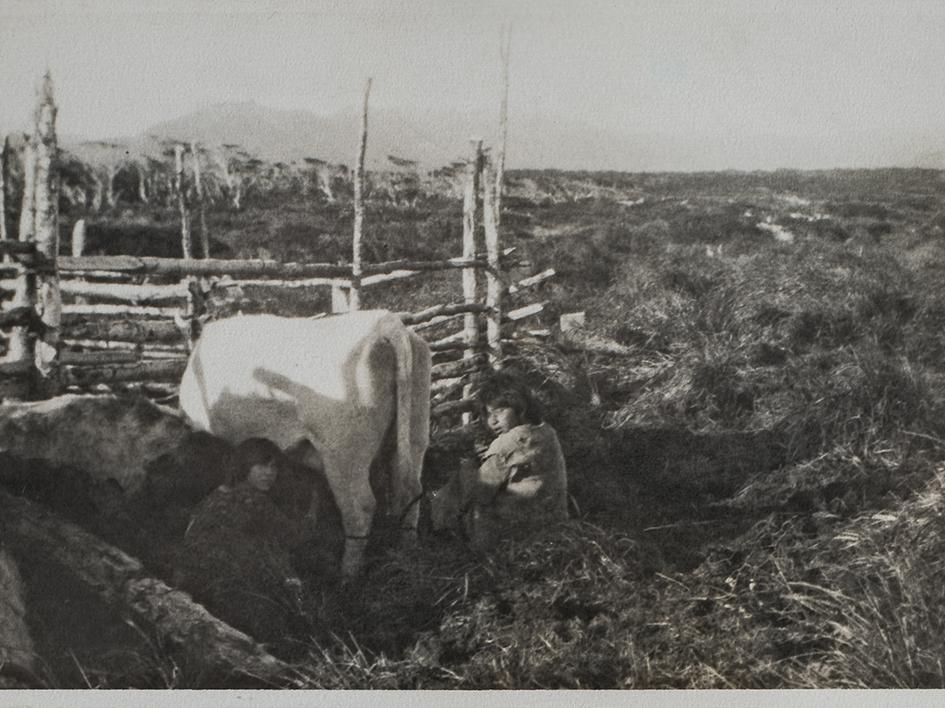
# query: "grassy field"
x,y
756,476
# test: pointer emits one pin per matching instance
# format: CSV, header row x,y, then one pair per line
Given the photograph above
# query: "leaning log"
x,y
466,405
121,581
523,312
531,281
430,313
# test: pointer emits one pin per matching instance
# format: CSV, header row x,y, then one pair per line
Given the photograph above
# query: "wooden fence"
x,y
79,323
122,332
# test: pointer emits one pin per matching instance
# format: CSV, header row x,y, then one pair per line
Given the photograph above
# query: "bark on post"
x,y
181,188
47,235
354,298
121,581
470,199
198,186
493,273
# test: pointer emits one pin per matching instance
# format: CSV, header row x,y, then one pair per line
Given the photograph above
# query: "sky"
x,y
744,84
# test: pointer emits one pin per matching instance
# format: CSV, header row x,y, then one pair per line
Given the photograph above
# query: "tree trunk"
x,y
142,185
110,197
238,193
121,581
98,194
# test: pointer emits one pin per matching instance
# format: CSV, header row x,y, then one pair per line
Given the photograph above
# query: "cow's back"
x,y
262,375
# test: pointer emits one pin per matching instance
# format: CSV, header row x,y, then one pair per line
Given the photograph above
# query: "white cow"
x,y
346,384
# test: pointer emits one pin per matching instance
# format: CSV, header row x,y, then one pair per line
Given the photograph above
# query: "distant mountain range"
x,y
432,139
437,138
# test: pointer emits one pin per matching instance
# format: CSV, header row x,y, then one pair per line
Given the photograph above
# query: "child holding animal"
x,y
520,481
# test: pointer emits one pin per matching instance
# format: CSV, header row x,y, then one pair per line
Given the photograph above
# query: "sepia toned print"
x,y
435,345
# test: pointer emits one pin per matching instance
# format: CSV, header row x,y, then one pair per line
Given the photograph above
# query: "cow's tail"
x,y
413,401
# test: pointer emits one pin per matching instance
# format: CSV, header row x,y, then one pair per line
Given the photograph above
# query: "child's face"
x,y
262,475
501,419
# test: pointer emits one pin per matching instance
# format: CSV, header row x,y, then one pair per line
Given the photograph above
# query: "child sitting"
x,y
235,555
520,483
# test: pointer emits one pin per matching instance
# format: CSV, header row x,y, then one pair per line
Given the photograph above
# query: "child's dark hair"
x,y
502,390
253,451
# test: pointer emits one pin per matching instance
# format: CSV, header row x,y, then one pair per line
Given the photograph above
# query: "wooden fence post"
x,y
4,156
20,345
47,236
78,237
505,46
78,249
493,273
181,189
470,199
198,186
354,297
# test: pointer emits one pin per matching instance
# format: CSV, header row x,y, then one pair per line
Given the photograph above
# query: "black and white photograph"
x,y
444,346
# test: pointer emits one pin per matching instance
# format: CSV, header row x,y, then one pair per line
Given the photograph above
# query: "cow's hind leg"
x,y
351,485
406,506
